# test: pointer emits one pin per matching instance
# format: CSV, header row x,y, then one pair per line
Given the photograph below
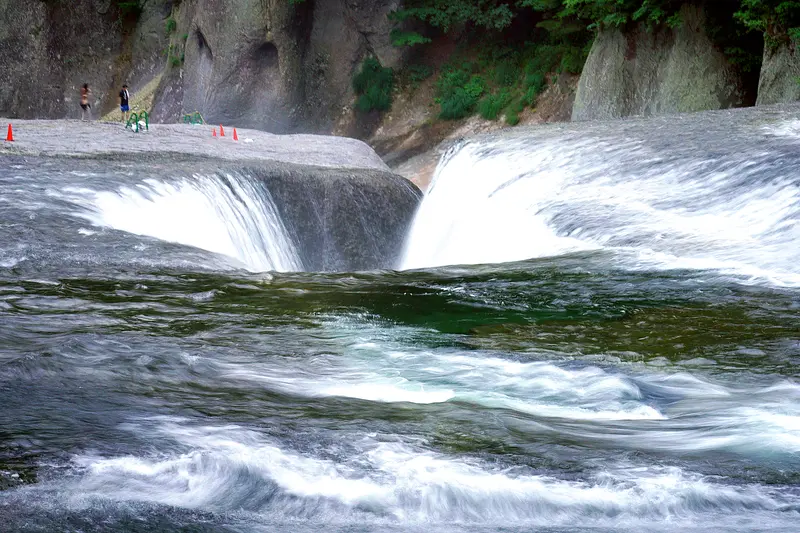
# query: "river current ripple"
x,y
148,385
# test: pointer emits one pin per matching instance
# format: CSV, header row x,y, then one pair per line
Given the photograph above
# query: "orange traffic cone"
x,y
10,136
214,132
235,137
221,131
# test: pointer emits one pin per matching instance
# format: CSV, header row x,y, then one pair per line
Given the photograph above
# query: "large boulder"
x,y
342,219
653,72
780,72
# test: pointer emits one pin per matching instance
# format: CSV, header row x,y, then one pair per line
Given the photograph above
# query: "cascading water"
x,y
640,375
733,207
229,215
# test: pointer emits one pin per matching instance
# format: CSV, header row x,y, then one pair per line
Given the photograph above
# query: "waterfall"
x,y
226,214
662,198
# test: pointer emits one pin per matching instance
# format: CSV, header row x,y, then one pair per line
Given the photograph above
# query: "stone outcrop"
x,y
343,219
49,49
272,64
181,141
341,205
780,72
641,72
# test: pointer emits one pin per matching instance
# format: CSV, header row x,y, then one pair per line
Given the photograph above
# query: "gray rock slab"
x,y
71,138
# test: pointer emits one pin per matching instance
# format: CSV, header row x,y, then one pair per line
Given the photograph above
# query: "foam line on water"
x,y
628,406
230,468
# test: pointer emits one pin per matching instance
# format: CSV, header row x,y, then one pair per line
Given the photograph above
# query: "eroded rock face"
x,y
23,48
273,65
780,71
343,219
641,72
48,50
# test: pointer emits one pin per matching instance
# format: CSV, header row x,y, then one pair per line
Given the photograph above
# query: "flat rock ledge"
x,y
95,139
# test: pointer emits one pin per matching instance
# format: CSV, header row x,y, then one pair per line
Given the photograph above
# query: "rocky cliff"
x,y
272,64
268,64
50,48
780,72
642,71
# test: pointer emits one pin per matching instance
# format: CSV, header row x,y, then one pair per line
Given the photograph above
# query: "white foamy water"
x,y
507,200
232,468
632,407
227,215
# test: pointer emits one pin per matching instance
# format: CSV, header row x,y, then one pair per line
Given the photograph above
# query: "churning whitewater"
x,y
592,330
732,206
227,214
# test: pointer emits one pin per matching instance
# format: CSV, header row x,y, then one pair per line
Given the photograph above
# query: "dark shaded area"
x,y
266,56
744,49
342,219
202,44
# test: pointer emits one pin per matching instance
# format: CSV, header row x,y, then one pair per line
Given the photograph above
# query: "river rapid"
x,y
589,330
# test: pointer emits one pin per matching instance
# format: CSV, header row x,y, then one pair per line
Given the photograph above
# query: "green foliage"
x,y
491,105
542,58
512,118
170,26
742,47
507,72
446,14
458,91
502,76
534,86
407,38
572,15
130,8
373,84
417,73
512,113
514,74
778,20
175,55
621,12
573,58
458,105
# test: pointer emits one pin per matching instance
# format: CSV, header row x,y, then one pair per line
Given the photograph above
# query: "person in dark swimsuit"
x,y
86,107
124,103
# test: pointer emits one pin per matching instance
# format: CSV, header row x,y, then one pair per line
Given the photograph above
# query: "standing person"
x,y
124,103
86,107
